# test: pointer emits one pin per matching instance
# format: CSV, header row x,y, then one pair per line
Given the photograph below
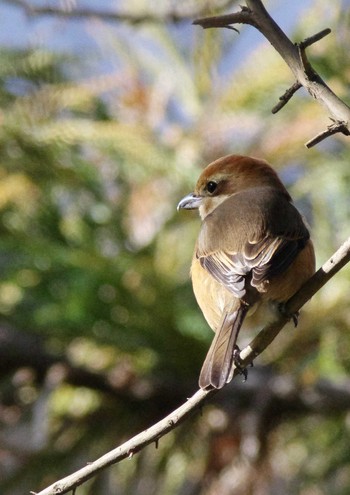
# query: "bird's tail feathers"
x,y
216,369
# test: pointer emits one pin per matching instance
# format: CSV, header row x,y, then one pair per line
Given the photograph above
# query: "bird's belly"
x,y
212,297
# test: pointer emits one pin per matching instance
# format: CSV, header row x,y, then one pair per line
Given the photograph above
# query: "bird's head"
x,y
227,176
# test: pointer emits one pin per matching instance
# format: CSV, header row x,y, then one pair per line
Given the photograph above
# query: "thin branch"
x,y
129,448
248,354
224,21
294,55
331,129
173,16
283,100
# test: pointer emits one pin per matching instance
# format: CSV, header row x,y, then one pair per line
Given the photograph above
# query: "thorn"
x,y
308,70
287,95
314,38
156,443
331,129
232,29
130,453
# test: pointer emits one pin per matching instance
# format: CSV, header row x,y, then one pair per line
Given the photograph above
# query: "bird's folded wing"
x,y
262,260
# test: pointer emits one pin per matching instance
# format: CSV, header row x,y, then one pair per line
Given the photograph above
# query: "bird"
x,y
253,249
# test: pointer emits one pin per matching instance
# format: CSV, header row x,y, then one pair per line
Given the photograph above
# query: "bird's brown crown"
x,y
234,173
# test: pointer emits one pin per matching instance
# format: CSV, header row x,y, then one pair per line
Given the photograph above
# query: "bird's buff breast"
x,y
211,296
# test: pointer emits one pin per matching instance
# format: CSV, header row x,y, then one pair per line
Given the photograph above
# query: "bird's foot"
x,y
237,361
292,316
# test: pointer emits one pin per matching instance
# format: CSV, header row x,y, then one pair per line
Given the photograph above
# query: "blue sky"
x,y
17,29
93,43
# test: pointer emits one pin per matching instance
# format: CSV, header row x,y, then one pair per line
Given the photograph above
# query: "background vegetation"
x,y
100,335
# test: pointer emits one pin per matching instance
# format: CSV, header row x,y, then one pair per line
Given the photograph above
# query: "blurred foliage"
x,y
100,334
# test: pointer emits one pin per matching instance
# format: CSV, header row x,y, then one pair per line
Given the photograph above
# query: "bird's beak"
x,y
190,202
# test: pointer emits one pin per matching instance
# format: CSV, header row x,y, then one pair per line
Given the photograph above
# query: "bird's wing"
x,y
252,236
258,260
272,256
227,268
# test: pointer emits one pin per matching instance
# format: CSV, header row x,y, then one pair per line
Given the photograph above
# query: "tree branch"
x,y
174,16
295,57
248,354
331,129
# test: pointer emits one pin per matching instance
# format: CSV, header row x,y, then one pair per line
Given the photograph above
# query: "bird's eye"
x,y
211,186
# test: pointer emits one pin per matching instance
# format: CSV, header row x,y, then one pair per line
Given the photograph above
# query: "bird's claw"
x,y
237,361
293,316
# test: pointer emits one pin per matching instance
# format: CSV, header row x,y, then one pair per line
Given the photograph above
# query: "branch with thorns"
x,y
294,54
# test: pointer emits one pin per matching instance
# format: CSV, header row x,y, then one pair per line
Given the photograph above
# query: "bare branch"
x,y
243,17
293,54
331,129
130,447
248,354
174,16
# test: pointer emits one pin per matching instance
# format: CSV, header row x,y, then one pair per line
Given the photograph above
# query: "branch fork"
x,y
295,57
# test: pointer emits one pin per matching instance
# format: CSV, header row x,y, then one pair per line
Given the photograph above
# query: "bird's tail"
x,y
218,362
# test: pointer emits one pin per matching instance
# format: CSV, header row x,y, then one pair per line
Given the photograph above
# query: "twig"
x,y
294,55
314,38
242,17
248,354
284,99
331,129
